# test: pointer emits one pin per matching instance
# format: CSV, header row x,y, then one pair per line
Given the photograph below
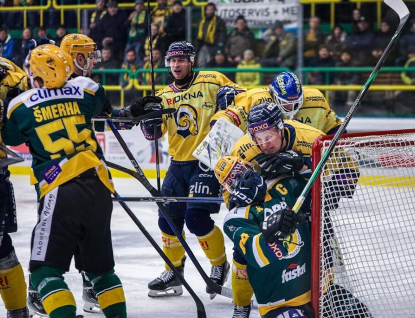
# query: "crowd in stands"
x,y
121,35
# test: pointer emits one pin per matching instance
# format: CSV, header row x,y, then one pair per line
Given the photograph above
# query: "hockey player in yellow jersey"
x,y
73,166
13,287
193,95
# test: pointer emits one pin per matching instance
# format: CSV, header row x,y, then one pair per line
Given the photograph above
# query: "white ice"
x,y
137,262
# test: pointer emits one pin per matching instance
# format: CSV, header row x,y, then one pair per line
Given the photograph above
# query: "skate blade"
x,y
169,292
212,296
36,315
92,308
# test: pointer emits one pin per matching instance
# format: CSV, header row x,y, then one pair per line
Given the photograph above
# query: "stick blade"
x,y
399,7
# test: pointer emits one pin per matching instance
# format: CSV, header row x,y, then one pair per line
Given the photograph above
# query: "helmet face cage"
x,y
287,92
225,96
263,117
180,49
229,171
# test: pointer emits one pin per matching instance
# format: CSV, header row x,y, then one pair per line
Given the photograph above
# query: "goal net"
x,y
363,247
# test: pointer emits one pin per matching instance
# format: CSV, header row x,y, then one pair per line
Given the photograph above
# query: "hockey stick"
x,y
7,161
224,291
156,142
136,120
400,8
201,313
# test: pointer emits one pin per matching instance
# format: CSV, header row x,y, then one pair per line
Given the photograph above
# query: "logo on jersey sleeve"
x,y
186,121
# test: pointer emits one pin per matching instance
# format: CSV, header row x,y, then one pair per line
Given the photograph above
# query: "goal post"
x,y
363,251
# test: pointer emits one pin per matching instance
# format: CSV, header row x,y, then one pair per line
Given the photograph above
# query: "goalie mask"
x,y
264,123
180,49
287,92
75,44
51,65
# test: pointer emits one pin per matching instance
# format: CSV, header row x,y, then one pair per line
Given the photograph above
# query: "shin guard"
x,y
173,249
241,288
213,244
12,283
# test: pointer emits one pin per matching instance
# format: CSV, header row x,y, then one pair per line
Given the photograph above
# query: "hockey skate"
x,y
89,297
34,304
219,274
241,312
18,313
168,284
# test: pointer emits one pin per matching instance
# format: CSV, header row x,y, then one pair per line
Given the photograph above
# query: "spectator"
x,y
240,39
405,42
60,34
220,61
176,24
324,59
345,78
280,49
356,14
382,39
313,38
20,46
130,63
108,62
360,42
211,35
158,42
94,20
41,33
138,24
248,79
157,64
336,41
7,43
112,30
375,55
159,15
403,102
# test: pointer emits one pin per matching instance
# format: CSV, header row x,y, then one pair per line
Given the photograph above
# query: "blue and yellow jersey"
x,y
279,273
56,123
195,107
253,97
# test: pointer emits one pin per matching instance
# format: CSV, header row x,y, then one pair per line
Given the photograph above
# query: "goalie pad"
x,y
219,142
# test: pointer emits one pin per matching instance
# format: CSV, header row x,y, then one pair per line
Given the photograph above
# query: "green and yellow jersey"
x,y
279,273
56,123
195,107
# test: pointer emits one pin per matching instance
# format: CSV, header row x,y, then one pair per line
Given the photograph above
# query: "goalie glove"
x,y
287,162
151,128
142,106
280,224
251,188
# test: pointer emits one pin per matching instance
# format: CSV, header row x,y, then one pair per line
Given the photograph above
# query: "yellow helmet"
x,y
229,169
51,64
76,43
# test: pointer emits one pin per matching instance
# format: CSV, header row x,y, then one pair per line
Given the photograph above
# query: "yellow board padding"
x,y
57,300
111,297
13,288
149,173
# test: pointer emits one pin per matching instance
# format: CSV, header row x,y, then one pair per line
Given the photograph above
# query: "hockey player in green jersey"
x,y
54,118
274,240
13,289
193,95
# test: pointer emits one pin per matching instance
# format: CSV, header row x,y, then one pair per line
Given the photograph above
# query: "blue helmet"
x,y
180,49
287,92
263,117
225,96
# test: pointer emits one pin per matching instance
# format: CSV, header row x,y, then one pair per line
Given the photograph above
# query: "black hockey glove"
x,y
251,188
32,44
280,224
142,106
287,162
341,185
152,127
8,206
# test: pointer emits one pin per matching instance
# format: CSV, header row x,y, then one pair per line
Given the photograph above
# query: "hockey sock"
x,y
12,283
173,249
110,293
241,288
213,244
57,300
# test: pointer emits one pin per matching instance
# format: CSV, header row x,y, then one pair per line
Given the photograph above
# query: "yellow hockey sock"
x,y
213,244
12,283
173,249
241,288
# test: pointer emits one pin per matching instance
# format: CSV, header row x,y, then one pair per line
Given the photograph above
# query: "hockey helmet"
x,y
287,92
229,169
263,117
50,64
73,44
180,49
